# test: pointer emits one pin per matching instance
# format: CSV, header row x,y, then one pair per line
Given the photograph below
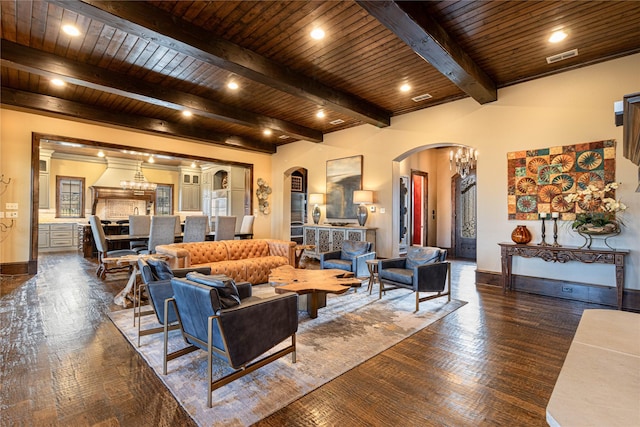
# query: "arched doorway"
x,y
437,210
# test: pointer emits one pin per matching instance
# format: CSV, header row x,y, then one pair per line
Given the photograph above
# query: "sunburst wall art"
x,y
540,179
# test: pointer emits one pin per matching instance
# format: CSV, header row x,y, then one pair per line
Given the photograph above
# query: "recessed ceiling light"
x,y
187,113
71,30
557,36
317,34
100,153
267,132
405,88
151,159
232,85
193,164
320,114
57,82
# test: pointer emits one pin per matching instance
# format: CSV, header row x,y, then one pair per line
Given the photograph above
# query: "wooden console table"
x,y
563,254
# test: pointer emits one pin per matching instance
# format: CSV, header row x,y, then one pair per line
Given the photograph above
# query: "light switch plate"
x,y
1,214
13,214
382,210
12,206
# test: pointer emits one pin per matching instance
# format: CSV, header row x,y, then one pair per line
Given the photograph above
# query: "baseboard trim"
x,y
597,294
16,268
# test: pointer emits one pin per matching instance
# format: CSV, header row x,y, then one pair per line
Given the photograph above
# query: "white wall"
x,y
564,109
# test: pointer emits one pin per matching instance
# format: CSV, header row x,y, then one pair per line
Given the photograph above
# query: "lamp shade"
x,y
363,196
316,198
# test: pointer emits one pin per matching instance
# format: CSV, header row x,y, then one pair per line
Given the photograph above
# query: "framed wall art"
x,y
344,176
539,180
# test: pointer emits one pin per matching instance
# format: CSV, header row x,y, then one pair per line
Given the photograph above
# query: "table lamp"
x,y
363,197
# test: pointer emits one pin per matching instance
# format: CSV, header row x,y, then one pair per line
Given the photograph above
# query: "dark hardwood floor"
x,y
492,362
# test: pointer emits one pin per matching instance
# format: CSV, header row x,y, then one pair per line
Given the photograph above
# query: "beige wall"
x,y
564,109
16,129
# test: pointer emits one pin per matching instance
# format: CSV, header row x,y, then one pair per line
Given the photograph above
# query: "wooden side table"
x,y
372,265
299,250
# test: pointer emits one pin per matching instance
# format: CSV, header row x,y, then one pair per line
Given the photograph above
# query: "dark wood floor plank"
x,y
492,362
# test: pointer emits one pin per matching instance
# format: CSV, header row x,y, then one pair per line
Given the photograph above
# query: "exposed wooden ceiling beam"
x,y
65,108
50,65
413,25
157,26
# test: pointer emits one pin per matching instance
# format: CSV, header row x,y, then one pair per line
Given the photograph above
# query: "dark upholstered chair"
x,y
156,280
423,270
352,257
103,252
216,316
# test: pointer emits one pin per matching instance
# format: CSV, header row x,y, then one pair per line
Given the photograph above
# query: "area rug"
x,y
352,328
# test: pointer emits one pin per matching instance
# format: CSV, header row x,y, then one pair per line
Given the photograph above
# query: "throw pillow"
x,y
224,285
160,269
422,255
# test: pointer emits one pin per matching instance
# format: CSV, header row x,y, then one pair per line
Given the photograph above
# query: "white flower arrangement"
x,y
599,210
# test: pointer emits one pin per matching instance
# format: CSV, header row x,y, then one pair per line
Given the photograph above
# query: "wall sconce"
x,y
363,197
316,199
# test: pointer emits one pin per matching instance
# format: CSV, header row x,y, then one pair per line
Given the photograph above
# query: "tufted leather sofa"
x,y
249,260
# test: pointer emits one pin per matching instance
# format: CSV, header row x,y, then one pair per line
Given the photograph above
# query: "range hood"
x,y
118,170
107,186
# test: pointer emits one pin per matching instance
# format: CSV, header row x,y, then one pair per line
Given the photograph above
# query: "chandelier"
x,y
139,183
464,160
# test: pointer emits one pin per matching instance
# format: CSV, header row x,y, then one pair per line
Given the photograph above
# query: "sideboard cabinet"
x,y
327,238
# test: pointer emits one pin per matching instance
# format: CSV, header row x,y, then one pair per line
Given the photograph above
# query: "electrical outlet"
x,y
382,210
12,206
12,214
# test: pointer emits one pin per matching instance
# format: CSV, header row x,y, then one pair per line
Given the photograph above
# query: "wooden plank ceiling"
x,y
140,64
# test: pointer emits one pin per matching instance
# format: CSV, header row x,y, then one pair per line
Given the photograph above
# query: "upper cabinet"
x,y
45,166
190,191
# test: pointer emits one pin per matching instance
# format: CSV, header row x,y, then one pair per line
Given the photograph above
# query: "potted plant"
x,y
596,211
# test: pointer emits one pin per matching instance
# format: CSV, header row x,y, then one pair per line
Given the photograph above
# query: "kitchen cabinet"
x,y
57,237
327,238
190,196
43,179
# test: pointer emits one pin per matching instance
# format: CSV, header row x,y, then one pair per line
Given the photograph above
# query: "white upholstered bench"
x,y
599,383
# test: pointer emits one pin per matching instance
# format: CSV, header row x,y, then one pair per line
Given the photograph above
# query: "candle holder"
x,y
555,233
543,242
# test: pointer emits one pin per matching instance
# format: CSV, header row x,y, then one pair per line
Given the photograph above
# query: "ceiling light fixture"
x,y
405,88
193,165
320,114
233,85
557,36
267,132
100,153
57,82
71,30
187,113
317,34
139,182
151,159
464,159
